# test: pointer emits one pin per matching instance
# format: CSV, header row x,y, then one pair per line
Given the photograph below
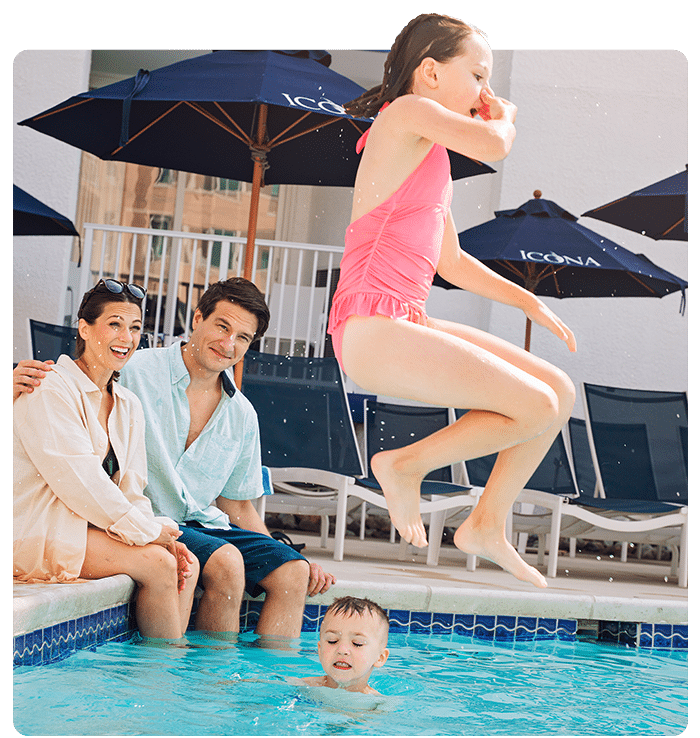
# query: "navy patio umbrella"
x,y
265,117
659,211
31,217
541,247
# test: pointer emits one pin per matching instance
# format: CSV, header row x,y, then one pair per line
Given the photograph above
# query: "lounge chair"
x,y
389,426
643,431
556,504
306,434
638,441
48,341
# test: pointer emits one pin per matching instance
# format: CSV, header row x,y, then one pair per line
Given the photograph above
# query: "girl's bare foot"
x,y
402,494
493,545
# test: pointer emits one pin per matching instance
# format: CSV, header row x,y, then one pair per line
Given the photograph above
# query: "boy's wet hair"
x,y
357,606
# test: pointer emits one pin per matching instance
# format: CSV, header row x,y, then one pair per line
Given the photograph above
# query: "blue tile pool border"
x,y
56,642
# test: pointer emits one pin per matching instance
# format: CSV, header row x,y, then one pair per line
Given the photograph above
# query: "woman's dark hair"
x,y
439,37
92,306
241,292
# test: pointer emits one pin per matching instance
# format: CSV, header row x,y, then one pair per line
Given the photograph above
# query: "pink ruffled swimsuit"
x,y
391,253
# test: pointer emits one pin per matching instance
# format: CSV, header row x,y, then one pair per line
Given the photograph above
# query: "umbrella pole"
x,y
258,168
528,332
530,281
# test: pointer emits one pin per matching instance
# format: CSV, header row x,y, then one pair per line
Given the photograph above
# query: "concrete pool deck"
x,y
635,602
587,587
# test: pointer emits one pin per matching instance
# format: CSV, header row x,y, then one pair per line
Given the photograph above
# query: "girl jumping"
x,y
436,81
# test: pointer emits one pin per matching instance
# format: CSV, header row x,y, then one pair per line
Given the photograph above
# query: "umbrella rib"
x,y
239,133
607,204
273,141
507,265
668,230
551,271
533,277
60,110
646,286
246,137
277,142
145,128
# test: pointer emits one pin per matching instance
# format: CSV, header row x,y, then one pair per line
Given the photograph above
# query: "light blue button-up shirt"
x,y
223,460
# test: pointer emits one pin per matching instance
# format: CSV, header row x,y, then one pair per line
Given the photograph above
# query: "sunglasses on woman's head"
x,y
116,287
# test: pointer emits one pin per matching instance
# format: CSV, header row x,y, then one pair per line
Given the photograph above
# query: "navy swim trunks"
x,y
261,554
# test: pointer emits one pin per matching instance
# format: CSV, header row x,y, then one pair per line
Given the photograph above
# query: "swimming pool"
x,y
432,685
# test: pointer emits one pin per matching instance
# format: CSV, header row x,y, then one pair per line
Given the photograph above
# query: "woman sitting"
x,y
80,472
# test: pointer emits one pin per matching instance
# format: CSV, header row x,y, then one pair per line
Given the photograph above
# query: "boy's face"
x,y
351,646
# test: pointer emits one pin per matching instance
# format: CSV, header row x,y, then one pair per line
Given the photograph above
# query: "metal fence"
x,y
176,267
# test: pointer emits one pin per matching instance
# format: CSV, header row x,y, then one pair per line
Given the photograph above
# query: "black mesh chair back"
x,y
389,426
640,439
303,412
581,456
554,474
49,341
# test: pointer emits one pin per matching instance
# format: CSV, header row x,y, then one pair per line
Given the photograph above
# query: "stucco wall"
x,y
48,170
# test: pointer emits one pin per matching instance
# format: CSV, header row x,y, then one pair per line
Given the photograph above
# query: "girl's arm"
x,y
489,140
467,272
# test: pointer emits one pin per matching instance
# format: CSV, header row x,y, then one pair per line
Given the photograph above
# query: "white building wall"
x,y
49,170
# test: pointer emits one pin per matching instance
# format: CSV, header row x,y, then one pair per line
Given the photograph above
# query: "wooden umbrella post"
x,y
528,332
259,154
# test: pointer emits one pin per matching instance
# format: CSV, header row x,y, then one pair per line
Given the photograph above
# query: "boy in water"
x,y
352,643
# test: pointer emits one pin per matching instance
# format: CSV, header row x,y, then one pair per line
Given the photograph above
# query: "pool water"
x,y
431,685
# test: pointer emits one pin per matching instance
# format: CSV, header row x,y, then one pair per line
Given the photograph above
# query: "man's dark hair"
x,y
241,292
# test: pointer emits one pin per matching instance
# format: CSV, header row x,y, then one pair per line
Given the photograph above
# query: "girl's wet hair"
x,y
439,37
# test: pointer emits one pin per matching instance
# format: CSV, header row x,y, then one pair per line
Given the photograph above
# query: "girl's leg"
x,y
514,398
514,466
159,609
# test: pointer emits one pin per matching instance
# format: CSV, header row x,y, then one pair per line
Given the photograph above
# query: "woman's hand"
x,y
185,558
539,313
168,539
168,536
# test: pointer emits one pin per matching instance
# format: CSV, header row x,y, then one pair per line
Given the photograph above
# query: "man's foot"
x,y
402,494
494,546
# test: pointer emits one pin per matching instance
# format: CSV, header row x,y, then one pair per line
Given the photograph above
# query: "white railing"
x,y
175,267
